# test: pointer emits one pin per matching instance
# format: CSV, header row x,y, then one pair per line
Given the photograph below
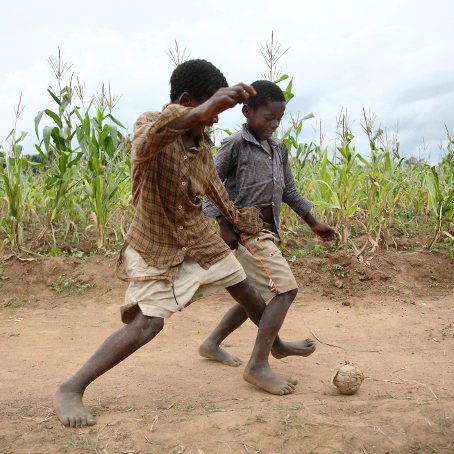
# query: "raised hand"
x,y
224,99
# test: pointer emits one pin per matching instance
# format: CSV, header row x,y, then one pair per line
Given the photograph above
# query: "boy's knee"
x,y
148,327
155,324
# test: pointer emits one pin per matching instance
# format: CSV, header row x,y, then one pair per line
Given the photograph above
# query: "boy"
x,y
255,168
172,253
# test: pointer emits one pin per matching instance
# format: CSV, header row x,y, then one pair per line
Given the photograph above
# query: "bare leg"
x,y
233,319
211,349
269,319
118,346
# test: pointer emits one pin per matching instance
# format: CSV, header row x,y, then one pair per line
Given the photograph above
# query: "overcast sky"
x,y
395,58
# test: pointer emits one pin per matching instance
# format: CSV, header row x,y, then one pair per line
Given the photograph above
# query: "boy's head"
x,y
264,111
194,82
198,78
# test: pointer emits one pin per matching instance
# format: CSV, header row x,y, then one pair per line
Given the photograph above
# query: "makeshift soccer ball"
x,y
347,378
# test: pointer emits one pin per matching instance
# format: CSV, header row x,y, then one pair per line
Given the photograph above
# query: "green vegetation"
x,y
13,301
80,179
69,285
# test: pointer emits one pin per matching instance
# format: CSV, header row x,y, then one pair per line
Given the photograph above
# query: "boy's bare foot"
x,y
300,348
266,379
212,351
70,410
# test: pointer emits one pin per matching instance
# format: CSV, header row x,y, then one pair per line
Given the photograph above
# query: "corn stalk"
x,y
104,170
14,186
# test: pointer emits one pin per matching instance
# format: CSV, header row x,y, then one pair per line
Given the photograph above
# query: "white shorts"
x,y
161,298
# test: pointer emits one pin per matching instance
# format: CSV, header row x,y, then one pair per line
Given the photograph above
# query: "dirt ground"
x,y
393,319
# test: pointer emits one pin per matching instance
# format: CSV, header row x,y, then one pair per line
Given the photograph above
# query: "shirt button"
x,y
180,207
181,227
183,183
185,157
183,249
269,157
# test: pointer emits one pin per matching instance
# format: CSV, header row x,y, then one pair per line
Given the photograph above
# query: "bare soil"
x,y
393,319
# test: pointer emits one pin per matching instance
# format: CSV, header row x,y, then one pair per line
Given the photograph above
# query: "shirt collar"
x,y
250,138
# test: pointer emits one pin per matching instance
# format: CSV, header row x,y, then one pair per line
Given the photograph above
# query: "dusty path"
x,y
167,399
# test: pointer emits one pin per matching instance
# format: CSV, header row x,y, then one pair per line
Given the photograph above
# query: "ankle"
x,y
70,387
254,366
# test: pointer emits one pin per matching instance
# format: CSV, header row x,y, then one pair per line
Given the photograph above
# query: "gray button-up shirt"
x,y
253,177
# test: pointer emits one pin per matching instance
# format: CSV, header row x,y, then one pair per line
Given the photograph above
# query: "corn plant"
x,y
382,189
298,154
338,185
104,170
440,201
14,186
59,153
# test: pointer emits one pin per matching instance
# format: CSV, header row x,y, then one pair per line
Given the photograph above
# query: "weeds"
x,y
13,301
67,283
317,250
300,253
339,270
63,283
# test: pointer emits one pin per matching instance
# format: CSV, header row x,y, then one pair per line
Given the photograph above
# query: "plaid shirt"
x,y
168,183
255,178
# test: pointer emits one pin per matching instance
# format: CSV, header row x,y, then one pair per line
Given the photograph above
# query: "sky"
x,y
394,58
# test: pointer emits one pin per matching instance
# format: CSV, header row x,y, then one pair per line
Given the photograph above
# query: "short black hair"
x,y
197,77
266,92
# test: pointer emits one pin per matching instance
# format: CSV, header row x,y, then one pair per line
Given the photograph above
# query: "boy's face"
x,y
264,121
189,101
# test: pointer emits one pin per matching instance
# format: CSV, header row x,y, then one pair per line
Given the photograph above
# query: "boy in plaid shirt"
x,y
172,254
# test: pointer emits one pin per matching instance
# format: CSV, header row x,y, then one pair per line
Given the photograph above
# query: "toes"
x,y
91,422
236,361
288,389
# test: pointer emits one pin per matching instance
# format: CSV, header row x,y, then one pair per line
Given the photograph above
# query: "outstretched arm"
x,y
302,206
153,131
223,99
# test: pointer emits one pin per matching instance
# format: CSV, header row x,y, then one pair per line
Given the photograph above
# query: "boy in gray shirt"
x,y
255,169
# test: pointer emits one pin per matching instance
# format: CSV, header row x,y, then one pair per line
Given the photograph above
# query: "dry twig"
x,y
388,381
338,346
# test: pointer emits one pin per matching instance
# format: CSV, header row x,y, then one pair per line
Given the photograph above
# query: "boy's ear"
x,y
185,100
246,110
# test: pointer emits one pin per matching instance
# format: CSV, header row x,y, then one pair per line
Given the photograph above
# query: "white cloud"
x,y
384,56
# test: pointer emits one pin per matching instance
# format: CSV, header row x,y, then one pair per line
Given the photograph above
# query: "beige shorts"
x,y
161,298
265,246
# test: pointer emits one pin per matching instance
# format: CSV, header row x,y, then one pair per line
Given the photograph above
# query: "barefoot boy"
x,y
172,254
255,168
